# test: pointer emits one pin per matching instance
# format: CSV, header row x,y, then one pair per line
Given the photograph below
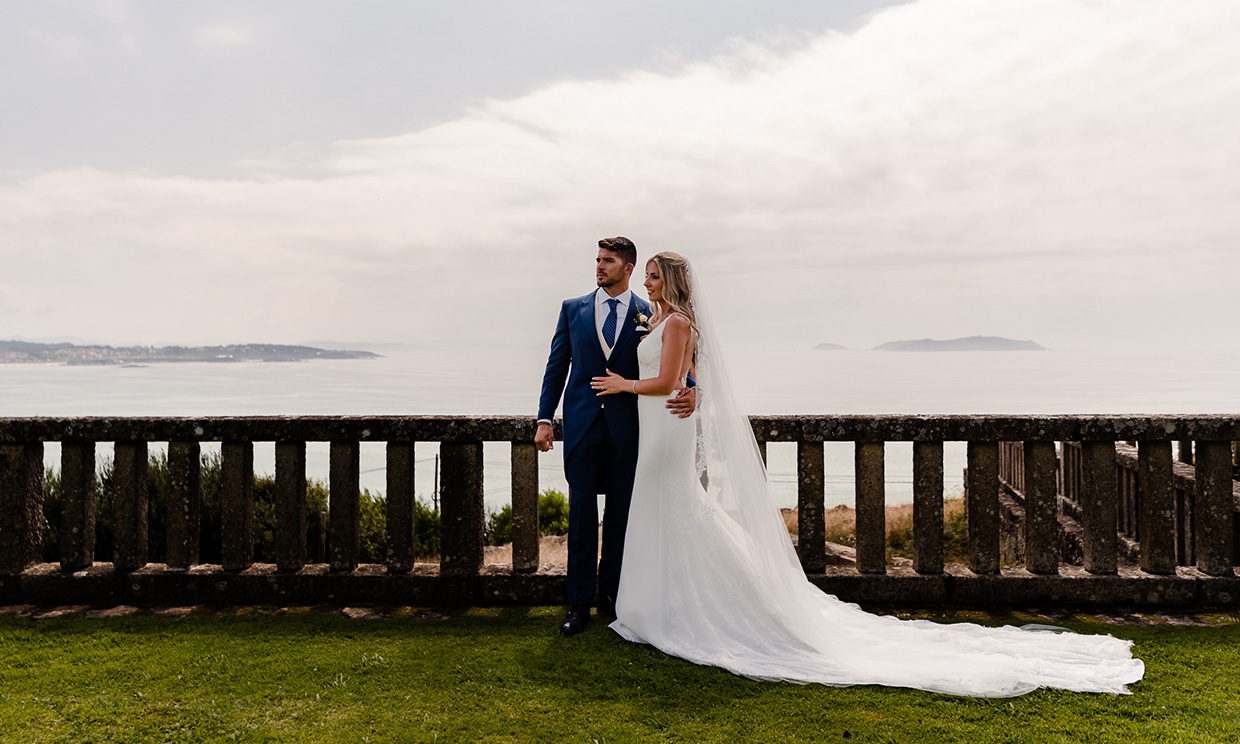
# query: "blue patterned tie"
x,y
609,325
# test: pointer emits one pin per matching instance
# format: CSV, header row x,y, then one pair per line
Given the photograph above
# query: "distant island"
x,y
972,343
26,352
830,347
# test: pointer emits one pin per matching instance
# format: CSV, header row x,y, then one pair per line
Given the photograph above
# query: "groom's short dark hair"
x,y
622,247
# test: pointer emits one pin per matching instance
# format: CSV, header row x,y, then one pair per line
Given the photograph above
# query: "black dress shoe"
x,y
575,621
607,606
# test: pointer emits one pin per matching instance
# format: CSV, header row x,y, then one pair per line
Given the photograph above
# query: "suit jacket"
x,y
576,357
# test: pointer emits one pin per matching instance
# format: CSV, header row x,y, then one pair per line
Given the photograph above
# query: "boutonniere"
x,y
643,323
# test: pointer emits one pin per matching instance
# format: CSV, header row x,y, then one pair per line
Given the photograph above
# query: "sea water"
x,y
505,380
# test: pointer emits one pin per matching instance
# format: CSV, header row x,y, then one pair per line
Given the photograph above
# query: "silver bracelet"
x,y
634,387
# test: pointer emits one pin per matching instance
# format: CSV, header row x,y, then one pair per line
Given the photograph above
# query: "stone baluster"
x,y
811,518
344,511
237,506
1098,507
1011,461
1012,465
320,548
928,507
1184,451
77,505
21,506
1041,510
1072,471
1121,501
871,508
401,525
461,508
1157,500
525,532
1213,509
982,507
290,506
1019,471
184,504
1184,526
129,476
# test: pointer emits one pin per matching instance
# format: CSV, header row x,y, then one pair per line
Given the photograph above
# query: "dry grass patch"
x,y
841,527
552,549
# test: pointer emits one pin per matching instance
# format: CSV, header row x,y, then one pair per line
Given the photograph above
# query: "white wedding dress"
x,y
709,575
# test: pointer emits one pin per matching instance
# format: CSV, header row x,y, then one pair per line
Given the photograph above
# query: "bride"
x,y
710,575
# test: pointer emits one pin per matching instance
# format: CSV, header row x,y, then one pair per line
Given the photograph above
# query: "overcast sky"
x,y
855,171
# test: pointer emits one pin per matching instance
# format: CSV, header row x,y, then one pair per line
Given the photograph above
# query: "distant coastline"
x,y
30,353
970,343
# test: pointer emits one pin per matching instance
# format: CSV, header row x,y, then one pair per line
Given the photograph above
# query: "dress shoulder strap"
x,y
663,320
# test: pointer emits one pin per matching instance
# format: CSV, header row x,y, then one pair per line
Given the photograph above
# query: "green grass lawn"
x,y
500,675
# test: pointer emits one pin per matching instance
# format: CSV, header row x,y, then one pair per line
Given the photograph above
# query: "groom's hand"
x,y
544,438
683,403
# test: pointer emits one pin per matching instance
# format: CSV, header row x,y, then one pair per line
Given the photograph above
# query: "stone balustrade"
x,y
461,577
1171,527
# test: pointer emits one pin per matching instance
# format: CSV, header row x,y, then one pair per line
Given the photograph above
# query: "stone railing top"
x,y
851,428
272,429
895,428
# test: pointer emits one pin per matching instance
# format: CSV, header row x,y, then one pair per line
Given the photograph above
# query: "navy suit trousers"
x,y
597,466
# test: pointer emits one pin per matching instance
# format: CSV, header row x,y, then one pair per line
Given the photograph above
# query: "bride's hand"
x,y
611,384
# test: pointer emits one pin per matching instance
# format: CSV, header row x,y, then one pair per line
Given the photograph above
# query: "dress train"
x,y
696,586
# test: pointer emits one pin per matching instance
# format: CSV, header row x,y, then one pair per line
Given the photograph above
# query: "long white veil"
x,y
836,642
728,460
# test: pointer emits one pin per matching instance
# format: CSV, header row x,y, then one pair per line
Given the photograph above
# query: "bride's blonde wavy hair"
x,y
677,289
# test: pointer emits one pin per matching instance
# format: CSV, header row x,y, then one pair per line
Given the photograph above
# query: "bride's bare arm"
x,y
676,338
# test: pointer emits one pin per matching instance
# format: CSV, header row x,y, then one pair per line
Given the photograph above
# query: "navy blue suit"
x,y
600,440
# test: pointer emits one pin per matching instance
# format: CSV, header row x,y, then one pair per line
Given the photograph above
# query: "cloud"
x,y
225,35
67,47
1060,170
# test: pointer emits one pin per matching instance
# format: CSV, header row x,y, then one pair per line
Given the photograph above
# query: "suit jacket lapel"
x,y
586,317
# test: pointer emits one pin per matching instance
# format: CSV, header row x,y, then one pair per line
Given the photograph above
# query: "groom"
x,y
597,333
